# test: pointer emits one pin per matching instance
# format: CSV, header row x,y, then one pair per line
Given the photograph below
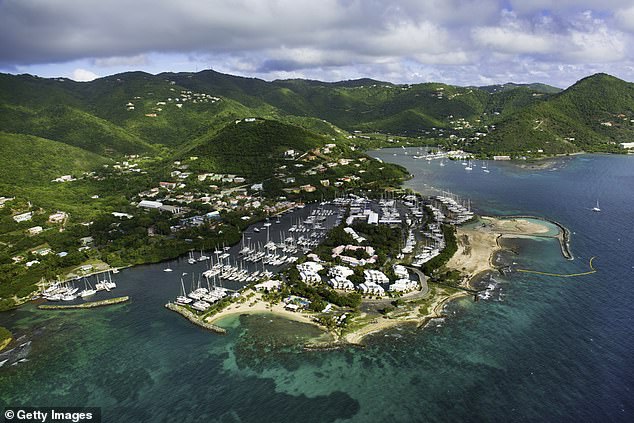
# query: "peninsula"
x,y
402,268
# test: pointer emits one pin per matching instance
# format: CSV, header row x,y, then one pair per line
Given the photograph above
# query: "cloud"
x,y
83,75
514,41
399,39
137,60
625,18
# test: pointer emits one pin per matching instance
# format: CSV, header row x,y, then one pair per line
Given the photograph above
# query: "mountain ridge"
x,y
134,112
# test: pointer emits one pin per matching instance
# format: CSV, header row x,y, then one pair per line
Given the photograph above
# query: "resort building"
x,y
401,272
403,285
375,276
371,288
339,282
340,271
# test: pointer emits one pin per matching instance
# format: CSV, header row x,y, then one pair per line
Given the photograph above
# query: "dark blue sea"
x,y
540,349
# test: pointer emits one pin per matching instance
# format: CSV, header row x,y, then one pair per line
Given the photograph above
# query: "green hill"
x,y
31,161
595,114
251,149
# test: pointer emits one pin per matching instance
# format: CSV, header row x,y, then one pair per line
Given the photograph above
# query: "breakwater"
x,y
91,304
194,318
563,236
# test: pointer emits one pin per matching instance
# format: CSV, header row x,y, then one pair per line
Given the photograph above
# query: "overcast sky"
x,y
460,42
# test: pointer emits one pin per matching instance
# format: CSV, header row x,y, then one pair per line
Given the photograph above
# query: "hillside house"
x,y
35,230
4,200
167,185
23,217
58,217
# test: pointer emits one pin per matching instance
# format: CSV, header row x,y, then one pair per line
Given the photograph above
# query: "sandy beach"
x,y
478,243
256,304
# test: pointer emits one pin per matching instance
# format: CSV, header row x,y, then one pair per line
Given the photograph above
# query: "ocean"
x,y
540,349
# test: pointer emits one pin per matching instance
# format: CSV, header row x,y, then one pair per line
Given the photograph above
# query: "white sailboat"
x,y
469,166
182,298
110,284
88,290
596,208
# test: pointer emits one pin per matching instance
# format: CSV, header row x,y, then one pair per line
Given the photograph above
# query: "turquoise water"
x,y
541,348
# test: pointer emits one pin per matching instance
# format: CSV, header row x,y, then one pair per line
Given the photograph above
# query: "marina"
x,y
68,291
264,250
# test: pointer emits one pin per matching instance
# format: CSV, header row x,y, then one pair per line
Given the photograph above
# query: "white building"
x,y
119,214
340,271
309,266
371,288
375,276
23,217
310,277
401,272
148,204
357,238
64,178
270,285
4,200
341,283
57,217
308,271
35,230
403,285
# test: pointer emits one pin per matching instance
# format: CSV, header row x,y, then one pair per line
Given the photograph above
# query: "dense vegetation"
x,y
595,114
